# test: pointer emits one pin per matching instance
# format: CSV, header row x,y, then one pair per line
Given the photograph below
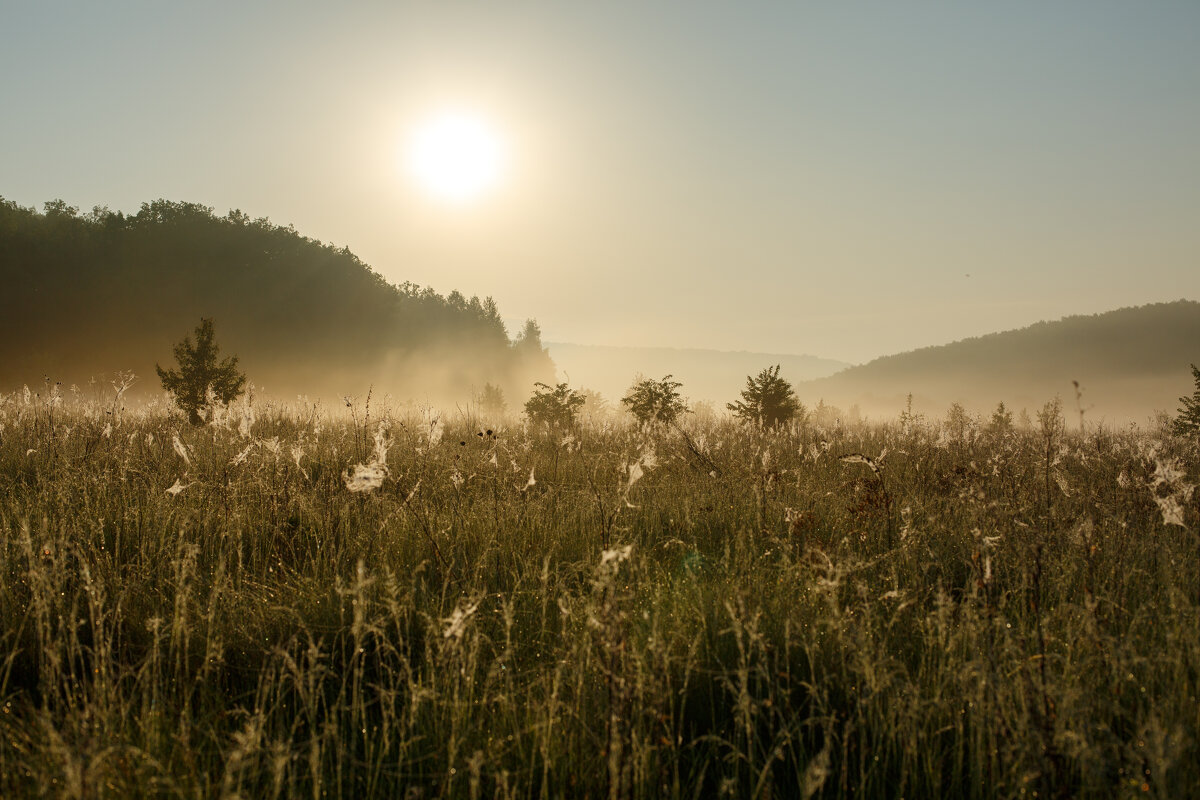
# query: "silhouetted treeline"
x,y
94,293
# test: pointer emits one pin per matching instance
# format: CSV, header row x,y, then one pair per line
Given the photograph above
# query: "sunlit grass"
x,y
488,610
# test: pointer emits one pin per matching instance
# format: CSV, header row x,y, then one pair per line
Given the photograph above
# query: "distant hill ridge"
x,y
100,292
1129,362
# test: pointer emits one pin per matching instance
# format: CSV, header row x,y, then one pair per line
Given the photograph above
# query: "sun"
x,y
455,157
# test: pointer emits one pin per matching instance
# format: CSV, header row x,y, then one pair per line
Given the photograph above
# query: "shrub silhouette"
x,y
655,401
767,400
556,406
199,373
1001,423
1188,421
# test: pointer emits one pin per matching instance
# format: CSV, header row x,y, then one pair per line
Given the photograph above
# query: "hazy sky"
x,y
786,177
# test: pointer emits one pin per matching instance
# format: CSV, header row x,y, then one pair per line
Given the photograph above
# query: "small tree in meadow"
x,y
556,406
655,401
1001,423
767,400
1188,421
200,373
958,423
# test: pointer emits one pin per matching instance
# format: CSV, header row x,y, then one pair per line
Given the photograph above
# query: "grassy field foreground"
x,y
915,609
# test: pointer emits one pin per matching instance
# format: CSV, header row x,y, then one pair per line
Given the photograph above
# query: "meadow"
x,y
362,601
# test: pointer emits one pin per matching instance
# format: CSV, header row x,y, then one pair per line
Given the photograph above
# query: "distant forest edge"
x,y
89,295
1129,363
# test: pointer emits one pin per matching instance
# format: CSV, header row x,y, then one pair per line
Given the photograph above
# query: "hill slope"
x,y
102,292
714,375
1129,363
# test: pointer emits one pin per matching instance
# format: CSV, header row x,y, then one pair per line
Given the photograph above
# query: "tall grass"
x,y
712,611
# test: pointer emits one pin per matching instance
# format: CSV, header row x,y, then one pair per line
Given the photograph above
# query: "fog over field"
x,y
713,376
607,400
96,295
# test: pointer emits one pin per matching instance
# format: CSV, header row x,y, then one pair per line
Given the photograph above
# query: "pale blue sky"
x,y
787,177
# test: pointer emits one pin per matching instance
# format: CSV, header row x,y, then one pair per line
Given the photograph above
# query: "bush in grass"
x,y
767,400
555,406
655,401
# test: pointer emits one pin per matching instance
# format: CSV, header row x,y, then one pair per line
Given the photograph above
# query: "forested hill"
x,y
1130,363
88,295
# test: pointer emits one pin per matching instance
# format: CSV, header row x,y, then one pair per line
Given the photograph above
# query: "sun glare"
x,y
455,157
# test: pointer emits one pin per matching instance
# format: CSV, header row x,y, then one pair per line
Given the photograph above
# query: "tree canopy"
x,y
103,291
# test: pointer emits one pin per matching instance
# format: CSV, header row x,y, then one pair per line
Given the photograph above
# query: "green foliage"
x,y
554,406
1188,421
99,292
652,401
200,377
767,400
